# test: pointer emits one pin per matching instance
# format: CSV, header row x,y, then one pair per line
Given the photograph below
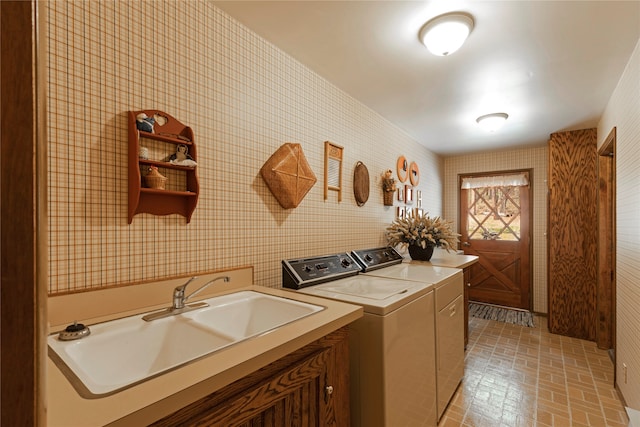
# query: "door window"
x,y
494,213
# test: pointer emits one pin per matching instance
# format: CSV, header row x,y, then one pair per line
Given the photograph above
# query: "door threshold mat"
x,y
514,316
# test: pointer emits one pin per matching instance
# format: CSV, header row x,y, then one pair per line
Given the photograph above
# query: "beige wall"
x,y
623,113
529,158
243,98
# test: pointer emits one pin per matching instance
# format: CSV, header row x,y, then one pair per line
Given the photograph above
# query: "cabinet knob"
x,y
329,390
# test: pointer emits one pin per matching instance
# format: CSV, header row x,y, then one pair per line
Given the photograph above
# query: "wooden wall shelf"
x,y
155,201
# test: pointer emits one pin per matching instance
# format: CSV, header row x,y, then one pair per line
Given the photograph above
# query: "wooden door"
x,y
606,290
494,225
572,233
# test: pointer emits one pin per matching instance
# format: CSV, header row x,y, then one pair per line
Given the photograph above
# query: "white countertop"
x,y
163,395
442,258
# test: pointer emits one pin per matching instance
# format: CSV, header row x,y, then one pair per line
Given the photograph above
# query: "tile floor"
x,y
519,376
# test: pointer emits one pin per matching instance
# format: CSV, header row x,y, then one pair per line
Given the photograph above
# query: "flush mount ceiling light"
x,y
492,122
446,33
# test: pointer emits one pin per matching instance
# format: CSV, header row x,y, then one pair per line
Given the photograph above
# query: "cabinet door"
x,y
293,398
309,387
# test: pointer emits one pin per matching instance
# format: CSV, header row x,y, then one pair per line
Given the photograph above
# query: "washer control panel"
x,y
299,273
372,259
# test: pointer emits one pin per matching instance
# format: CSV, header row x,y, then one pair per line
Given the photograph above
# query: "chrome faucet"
x,y
179,299
178,293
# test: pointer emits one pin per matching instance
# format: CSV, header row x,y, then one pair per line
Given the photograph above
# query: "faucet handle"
x,y
178,294
182,287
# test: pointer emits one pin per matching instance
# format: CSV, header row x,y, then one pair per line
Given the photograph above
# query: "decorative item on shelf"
x,y
143,153
414,174
388,187
144,122
403,168
361,183
181,157
154,179
422,232
288,175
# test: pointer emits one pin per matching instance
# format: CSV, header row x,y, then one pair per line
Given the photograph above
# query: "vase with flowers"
x,y
421,234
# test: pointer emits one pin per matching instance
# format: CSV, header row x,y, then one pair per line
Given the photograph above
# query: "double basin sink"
x,y
121,353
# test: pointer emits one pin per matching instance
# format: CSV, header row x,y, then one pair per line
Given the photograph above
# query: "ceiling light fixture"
x,y
446,33
492,122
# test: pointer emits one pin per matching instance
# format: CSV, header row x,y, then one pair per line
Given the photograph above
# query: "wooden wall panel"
x,y
572,233
23,219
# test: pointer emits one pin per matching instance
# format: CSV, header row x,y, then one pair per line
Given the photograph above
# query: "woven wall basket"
x,y
288,175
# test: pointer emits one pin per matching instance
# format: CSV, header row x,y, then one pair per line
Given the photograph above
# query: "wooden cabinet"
x,y
309,387
182,189
572,233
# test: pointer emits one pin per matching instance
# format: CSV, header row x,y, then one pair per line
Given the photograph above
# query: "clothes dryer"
x,y
448,310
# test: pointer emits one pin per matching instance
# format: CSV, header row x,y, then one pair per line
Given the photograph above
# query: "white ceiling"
x,y
551,65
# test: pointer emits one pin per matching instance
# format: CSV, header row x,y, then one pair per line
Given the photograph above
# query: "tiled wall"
x,y
243,98
529,158
623,113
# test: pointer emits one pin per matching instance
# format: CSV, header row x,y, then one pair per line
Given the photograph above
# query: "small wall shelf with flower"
x,y
163,147
421,234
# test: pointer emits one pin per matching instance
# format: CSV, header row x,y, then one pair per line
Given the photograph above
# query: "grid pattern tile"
x,y
243,98
524,377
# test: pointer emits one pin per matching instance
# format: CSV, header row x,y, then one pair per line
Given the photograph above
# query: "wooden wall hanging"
x,y
402,167
361,184
288,175
167,133
332,169
414,173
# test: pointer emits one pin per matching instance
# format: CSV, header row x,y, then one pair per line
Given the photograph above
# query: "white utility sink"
x,y
123,352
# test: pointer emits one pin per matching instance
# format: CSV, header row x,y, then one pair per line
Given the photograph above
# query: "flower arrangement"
x,y
422,231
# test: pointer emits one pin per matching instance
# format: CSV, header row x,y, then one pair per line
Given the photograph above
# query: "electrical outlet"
x,y
624,372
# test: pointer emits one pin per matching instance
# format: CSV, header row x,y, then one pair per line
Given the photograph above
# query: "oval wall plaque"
x,y
414,173
402,167
361,183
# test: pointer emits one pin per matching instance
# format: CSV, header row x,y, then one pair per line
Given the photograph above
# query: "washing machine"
x,y
448,285
391,348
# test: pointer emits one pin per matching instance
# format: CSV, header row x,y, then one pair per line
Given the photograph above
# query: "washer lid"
x,y
377,295
373,290
414,272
